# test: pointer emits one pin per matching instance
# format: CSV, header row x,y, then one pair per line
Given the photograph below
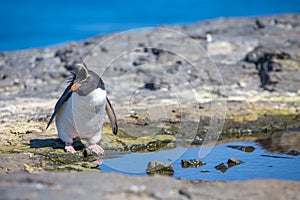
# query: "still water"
x,y
258,164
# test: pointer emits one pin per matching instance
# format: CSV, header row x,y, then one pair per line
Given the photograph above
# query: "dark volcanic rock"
x,y
258,24
233,162
293,153
221,167
230,163
264,60
152,86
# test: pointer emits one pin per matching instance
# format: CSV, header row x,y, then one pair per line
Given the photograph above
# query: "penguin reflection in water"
x,y
80,111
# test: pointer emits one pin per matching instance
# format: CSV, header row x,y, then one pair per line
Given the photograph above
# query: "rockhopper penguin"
x,y
80,110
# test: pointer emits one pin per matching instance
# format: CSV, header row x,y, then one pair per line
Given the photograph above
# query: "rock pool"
x,y
258,164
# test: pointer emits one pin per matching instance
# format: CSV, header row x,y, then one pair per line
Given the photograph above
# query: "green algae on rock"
x,y
146,143
193,163
156,167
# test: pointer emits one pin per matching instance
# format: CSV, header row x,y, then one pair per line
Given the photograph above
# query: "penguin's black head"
x,y
85,81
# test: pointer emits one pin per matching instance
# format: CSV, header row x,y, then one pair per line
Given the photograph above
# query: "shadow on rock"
x,y
55,143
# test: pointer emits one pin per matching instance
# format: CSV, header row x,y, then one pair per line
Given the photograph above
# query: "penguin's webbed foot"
x,y
98,162
70,148
96,149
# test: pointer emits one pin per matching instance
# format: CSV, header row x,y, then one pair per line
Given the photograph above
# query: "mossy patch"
x,y
146,143
22,136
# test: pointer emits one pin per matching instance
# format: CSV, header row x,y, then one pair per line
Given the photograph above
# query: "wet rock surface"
x,y
242,148
194,163
233,162
156,167
293,153
230,163
221,167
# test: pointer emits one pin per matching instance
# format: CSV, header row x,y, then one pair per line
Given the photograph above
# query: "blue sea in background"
x,y
36,23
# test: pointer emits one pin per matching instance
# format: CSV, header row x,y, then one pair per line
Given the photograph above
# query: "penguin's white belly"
x,y
82,116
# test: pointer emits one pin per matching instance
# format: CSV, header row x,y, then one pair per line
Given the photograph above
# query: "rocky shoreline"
x,y
116,186
258,59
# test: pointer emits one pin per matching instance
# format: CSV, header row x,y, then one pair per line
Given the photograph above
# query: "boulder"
x,y
156,167
221,167
293,153
193,163
242,148
233,162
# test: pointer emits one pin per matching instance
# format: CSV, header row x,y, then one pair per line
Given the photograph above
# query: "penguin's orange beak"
x,y
75,86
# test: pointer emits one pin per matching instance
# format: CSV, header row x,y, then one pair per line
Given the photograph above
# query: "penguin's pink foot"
x,y
70,148
98,162
96,149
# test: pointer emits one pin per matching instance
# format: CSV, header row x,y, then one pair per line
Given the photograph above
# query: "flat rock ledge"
x,y
115,186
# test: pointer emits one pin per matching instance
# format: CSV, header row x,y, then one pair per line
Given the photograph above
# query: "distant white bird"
x,y
80,110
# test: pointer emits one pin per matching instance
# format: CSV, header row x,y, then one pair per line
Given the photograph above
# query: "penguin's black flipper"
x,y
64,97
112,117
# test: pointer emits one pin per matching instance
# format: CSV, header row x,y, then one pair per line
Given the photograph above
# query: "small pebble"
x,y
233,162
